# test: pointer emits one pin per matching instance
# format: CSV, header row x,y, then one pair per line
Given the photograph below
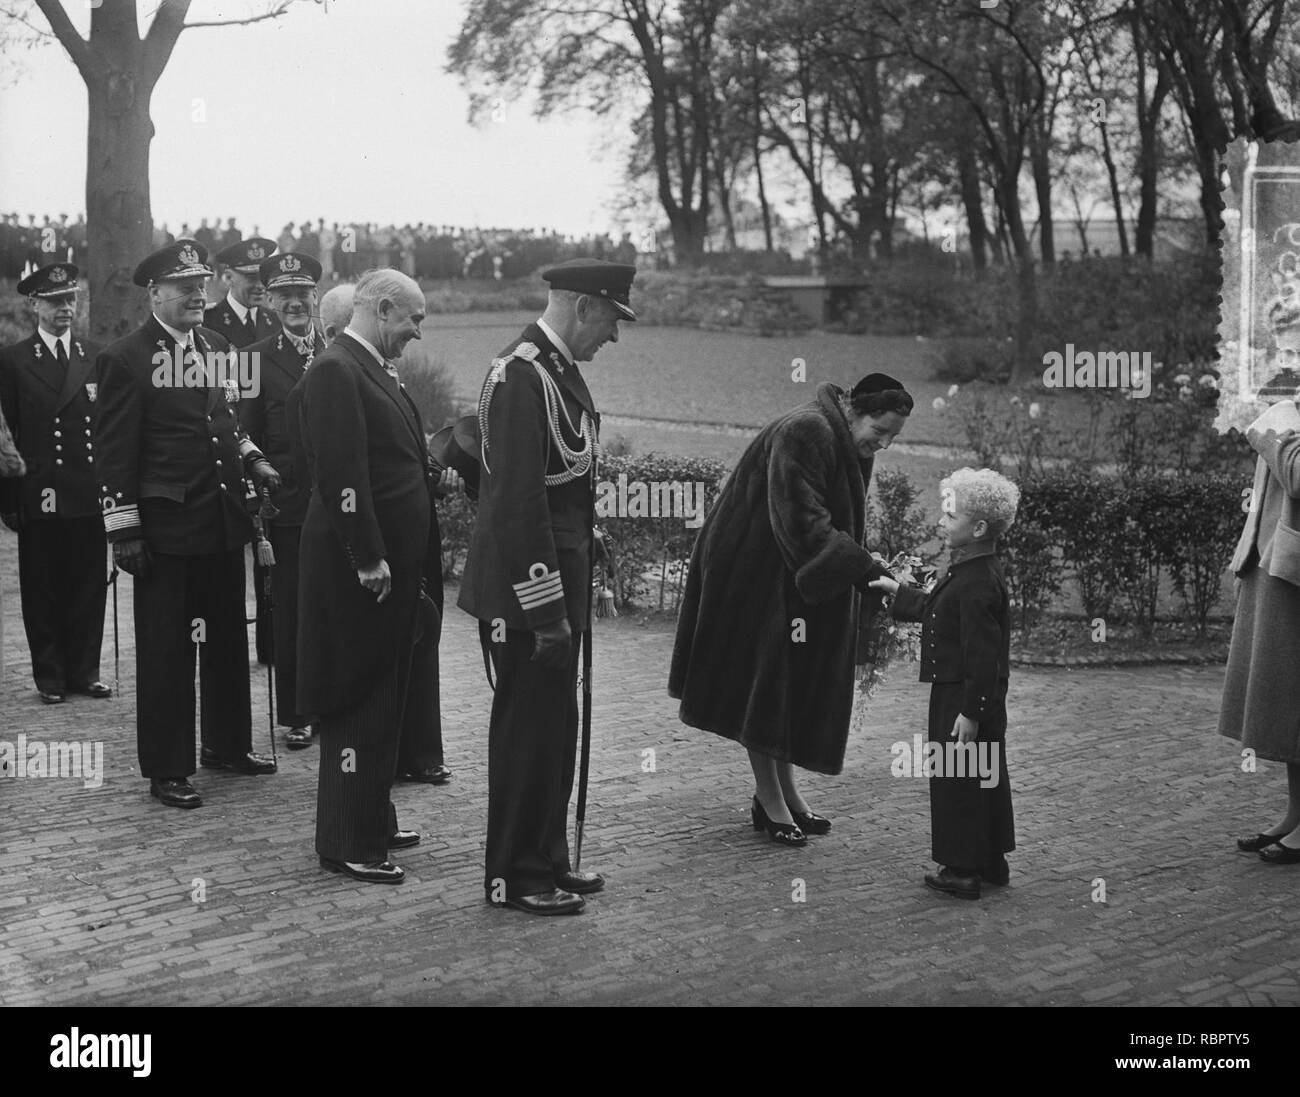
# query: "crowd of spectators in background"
x,y
344,249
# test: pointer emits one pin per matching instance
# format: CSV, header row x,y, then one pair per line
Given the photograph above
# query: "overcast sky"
x,y
345,114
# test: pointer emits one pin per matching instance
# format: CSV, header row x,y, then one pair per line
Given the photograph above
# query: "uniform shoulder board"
x,y
527,351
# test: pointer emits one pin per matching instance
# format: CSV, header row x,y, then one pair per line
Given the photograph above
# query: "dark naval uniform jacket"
x,y
965,631
171,456
530,554
371,500
265,418
223,319
53,426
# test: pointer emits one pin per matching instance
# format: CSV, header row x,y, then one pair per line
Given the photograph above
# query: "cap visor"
x,y
626,310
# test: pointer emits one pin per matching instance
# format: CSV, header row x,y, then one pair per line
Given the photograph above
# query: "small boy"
x,y
965,653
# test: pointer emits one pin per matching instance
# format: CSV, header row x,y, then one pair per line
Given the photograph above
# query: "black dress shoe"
x,y
1280,854
299,738
954,883
434,775
176,792
97,690
1260,841
785,834
403,839
996,872
546,902
50,697
580,883
372,872
249,763
810,822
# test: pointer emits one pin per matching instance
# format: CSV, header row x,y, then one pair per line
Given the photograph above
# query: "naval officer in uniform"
x,y
47,394
173,464
528,578
243,319
283,359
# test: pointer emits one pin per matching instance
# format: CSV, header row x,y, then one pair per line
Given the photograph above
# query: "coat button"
x,y
87,434
58,434
89,446
218,462
58,460
214,439
57,421
58,449
87,418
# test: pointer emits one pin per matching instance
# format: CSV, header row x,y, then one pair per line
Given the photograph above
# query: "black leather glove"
x,y
264,475
132,556
552,646
12,521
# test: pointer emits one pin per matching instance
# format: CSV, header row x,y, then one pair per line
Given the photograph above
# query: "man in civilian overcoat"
x,y
368,544
48,394
528,578
174,468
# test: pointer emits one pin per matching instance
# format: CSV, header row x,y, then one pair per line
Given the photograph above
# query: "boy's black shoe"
x,y
996,872
954,882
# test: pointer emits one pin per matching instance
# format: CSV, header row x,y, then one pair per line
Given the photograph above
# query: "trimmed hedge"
x,y
1118,538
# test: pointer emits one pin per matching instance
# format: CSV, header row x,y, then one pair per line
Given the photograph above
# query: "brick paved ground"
x,y
1117,774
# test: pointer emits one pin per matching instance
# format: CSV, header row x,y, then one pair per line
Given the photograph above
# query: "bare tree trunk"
x,y
119,224
972,199
1116,196
1040,164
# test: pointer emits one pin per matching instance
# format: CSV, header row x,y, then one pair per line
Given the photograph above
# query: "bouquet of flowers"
x,y
882,641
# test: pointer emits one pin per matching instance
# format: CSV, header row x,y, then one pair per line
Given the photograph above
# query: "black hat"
x,y
875,382
247,255
52,281
292,268
458,447
183,259
611,281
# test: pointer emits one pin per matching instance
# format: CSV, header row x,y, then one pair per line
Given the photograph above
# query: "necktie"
x,y
391,370
252,324
61,358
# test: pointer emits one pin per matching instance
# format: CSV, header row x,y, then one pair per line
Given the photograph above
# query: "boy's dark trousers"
x,y
969,825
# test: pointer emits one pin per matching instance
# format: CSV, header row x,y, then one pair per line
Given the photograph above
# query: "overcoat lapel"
x,y
374,372
859,470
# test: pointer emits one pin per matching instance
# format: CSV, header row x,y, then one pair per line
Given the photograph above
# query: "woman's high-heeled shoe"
x,y
787,834
1259,842
810,822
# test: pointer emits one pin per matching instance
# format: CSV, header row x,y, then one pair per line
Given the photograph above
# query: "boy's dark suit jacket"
x,y
965,633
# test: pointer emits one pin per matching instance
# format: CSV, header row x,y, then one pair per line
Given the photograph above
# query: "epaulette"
x,y
528,351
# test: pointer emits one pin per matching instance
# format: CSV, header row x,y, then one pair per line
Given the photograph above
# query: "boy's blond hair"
x,y
986,494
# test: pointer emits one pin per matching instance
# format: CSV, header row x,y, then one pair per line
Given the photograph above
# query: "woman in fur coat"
x,y
767,636
11,461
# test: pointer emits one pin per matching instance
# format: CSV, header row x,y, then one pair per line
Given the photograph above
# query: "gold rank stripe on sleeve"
x,y
120,518
540,588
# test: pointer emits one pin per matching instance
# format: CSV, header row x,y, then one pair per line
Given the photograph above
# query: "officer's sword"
x,y
117,651
265,556
581,816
